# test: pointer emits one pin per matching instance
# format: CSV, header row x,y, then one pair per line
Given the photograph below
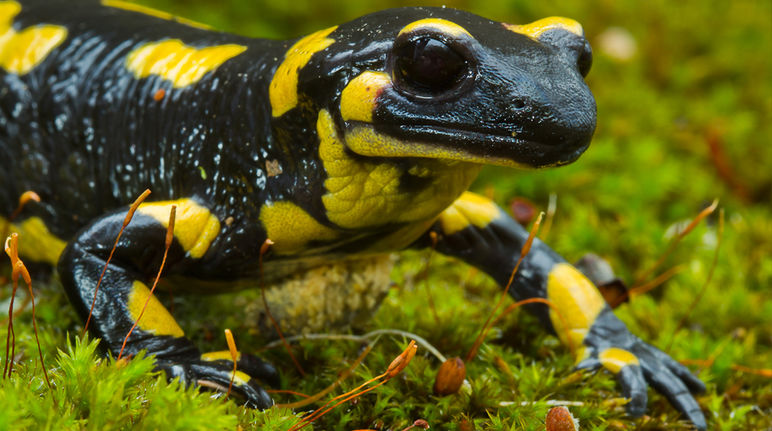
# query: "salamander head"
x,y
442,83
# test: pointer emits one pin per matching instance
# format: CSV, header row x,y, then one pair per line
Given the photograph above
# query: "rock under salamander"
x,y
350,143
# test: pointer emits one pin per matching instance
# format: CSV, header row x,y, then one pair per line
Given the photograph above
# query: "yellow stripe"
x,y
36,242
537,28
156,319
363,193
578,300
614,359
468,209
181,64
195,227
219,356
133,7
357,101
441,25
291,227
365,141
240,378
283,90
21,51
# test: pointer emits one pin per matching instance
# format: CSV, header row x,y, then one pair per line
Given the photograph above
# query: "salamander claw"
x,y
624,365
634,387
218,374
638,365
672,380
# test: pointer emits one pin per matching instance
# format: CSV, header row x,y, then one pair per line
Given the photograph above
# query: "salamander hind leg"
x,y
124,293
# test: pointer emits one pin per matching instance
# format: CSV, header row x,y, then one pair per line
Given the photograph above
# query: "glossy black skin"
x,y
88,137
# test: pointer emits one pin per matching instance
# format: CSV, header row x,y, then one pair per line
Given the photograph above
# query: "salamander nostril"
x,y
518,104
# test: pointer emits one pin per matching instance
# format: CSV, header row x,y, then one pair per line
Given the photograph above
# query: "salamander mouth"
x,y
485,146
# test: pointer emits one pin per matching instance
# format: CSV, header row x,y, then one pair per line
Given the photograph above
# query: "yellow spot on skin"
x,y
441,25
195,227
178,63
219,356
133,7
357,101
283,90
36,242
578,300
537,28
363,194
21,51
365,141
614,359
156,319
240,378
470,208
291,227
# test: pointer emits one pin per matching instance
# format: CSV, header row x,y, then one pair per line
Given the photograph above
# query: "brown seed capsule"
x,y
450,377
560,419
466,425
523,210
421,423
400,362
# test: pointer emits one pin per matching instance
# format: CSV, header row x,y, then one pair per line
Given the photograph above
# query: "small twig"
x,y
286,391
19,269
547,402
523,253
552,207
704,287
126,221
234,357
763,372
363,339
654,283
546,302
395,367
343,376
10,338
167,243
25,198
706,363
704,213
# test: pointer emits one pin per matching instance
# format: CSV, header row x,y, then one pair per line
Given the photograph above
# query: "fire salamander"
x,y
350,143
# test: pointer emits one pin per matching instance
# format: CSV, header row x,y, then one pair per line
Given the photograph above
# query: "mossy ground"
x,y
685,120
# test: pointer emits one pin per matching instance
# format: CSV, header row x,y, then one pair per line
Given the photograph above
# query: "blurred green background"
x,y
684,93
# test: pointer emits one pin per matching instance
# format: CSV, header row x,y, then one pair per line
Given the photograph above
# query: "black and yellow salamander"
x,y
350,143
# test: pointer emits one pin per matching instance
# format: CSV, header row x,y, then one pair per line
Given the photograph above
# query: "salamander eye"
x,y
426,66
584,60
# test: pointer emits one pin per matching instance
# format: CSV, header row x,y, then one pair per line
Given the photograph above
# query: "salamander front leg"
x,y
479,232
124,292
